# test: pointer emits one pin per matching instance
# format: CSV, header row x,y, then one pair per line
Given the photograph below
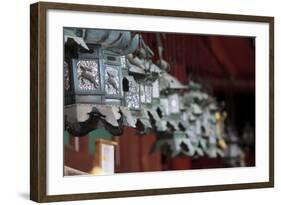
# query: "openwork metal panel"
x,y
66,76
155,89
133,97
88,75
112,80
142,95
146,93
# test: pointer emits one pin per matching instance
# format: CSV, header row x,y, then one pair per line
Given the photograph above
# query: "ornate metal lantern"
x,y
94,77
84,77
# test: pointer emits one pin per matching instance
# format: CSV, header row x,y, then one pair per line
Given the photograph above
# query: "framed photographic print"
x,y
135,102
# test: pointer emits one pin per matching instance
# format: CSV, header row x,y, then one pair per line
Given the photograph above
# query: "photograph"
x,y
135,102
142,101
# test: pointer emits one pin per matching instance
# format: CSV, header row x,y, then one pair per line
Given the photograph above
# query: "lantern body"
x,y
155,89
94,77
82,77
146,93
132,97
174,103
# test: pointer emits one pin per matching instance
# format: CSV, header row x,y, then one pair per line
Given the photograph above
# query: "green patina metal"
x,y
66,137
97,134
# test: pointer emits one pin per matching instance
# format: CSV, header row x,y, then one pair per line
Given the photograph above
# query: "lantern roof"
x,y
71,33
111,114
169,82
130,120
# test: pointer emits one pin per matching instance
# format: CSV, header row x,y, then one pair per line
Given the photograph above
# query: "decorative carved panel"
x,y
146,93
88,75
132,97
66,76
112,80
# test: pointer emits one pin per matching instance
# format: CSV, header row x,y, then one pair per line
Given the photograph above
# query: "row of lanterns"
x,y
110,82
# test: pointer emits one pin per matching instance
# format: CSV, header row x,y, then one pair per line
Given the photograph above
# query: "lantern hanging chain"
x,y
192,61
159,46
199,79
161,62
197,62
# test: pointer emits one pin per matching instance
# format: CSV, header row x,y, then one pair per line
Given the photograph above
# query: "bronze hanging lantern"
x,y
94,77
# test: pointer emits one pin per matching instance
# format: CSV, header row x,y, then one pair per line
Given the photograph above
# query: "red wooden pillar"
x,y
79,144
129,151
76,154
134,153
179,163
149,161
207,163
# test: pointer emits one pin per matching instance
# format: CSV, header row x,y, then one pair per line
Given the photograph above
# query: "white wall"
x,y
14,103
